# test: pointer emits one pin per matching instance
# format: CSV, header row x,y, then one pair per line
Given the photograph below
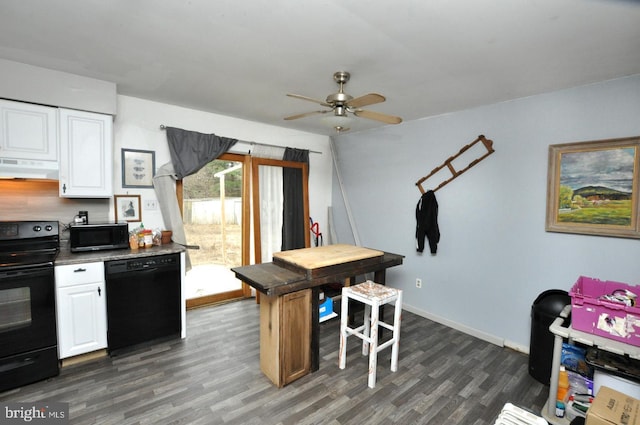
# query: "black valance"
x,y
190,150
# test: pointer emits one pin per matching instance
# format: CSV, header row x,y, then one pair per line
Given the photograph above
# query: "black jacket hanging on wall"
x,y
427,222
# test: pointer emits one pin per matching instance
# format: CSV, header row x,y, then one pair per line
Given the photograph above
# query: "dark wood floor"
x,y
213,377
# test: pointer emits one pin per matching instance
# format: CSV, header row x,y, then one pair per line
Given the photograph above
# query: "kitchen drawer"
x,y
77,274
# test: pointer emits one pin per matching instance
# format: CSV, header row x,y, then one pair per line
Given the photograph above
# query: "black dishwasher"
x,y
143,300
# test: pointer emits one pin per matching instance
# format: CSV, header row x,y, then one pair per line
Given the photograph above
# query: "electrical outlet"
x,y
151,204
418,283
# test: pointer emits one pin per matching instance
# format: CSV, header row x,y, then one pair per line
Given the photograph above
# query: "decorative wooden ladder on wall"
x,y
488,144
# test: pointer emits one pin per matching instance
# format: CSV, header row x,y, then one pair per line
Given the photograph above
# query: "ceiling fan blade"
x,y
310,99
367,99
306,114
389,119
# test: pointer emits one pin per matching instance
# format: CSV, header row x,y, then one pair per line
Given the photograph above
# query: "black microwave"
x,y
98,237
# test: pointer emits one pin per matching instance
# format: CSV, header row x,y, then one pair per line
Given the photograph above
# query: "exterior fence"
x,y
209,211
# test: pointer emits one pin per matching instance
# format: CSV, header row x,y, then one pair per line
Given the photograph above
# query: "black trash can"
x,y
545,309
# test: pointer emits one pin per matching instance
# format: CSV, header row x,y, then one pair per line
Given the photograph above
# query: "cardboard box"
x,y
602,378
611,407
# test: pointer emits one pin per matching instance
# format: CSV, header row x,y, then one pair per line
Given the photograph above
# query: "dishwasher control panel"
x,y
142,263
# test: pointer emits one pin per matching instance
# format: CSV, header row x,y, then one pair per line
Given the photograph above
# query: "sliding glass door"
x,y
215,205
214,211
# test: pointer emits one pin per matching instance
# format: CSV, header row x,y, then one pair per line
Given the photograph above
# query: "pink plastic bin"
x,y
608,319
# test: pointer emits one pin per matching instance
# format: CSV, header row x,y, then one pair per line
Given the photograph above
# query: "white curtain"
x,y
164,183
270,210
271,200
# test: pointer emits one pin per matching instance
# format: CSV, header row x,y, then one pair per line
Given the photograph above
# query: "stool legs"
x,y
367,329
396,332
372,342
344,318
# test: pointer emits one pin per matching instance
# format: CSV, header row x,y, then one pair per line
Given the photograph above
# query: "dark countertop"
x,y
65,256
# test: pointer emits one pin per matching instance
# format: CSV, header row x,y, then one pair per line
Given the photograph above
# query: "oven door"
x,y
28,349
27,309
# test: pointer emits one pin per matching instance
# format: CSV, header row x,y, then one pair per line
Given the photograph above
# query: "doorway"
x,y
214,205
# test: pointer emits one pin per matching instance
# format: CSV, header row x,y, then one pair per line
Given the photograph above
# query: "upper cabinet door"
x,y
86,154
28,131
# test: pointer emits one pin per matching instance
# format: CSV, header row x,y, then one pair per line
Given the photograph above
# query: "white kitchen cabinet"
x,y
81,308
28,131
86,154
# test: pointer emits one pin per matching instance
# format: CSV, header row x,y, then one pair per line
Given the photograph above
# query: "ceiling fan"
x,y
342,104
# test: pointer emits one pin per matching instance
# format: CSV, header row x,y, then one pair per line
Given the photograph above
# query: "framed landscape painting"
x,y
592,188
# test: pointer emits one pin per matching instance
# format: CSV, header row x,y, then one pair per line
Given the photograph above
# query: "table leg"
x,y
315,329
380,277
350,281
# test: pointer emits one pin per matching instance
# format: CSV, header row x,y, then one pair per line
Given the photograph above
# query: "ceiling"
x,y
428,57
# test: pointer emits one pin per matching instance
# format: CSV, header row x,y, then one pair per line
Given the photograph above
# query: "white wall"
x,y
29,83
494,257
137,126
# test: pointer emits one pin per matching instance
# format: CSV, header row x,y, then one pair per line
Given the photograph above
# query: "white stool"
x,y
373,295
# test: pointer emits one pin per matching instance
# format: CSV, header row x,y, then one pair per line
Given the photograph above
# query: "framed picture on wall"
x,y
127,208
138,168
592,188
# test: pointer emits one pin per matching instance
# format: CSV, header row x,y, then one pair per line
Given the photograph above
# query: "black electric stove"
x,y
28,340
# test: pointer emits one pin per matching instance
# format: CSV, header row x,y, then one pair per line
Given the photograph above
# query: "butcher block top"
x,y
316,261
322,256
331,265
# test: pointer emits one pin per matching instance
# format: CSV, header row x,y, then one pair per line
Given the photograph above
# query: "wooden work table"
x,y
291,287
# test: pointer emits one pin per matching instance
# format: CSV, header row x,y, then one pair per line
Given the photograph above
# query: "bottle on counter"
x,y
147,234
133,240
140,234
563,392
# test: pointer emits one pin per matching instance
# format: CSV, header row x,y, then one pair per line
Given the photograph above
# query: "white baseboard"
x,y
500,342
517,347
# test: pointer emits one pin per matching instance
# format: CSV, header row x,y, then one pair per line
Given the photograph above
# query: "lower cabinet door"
x,y
285,336
82,319
295,343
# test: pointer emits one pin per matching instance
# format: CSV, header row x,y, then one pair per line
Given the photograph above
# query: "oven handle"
x,y
22,273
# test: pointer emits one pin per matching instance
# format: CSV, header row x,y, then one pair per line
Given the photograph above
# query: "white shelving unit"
x,y
512,414
560,334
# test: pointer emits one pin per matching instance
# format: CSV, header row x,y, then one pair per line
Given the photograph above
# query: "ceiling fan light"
x,y
334,121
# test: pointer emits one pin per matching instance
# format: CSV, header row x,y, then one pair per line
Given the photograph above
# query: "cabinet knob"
x,y
80,270
99,292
